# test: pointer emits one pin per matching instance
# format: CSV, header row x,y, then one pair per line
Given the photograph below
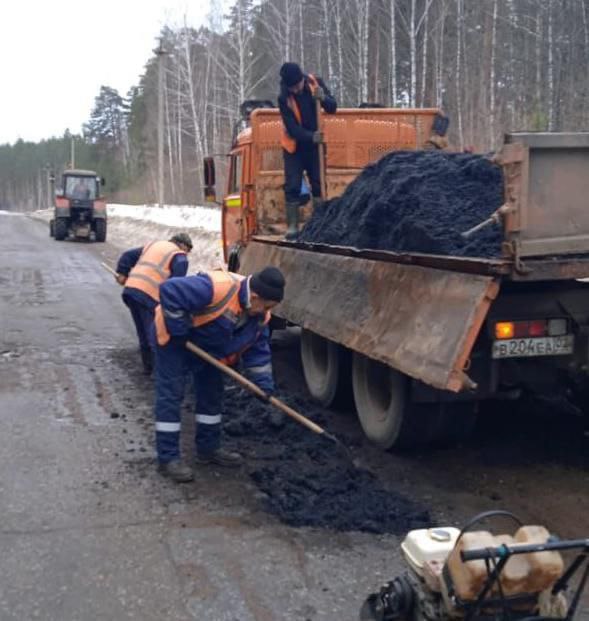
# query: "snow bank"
x,y
186,216
3,212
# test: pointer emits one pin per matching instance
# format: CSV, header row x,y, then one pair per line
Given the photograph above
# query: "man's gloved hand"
x,y
319,94
121,279
317,137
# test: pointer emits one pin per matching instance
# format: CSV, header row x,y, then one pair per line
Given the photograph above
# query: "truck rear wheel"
x,y
326,366
391,420
100,230
60,228
381,397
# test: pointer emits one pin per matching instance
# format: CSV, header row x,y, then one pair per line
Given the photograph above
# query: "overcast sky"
x,y
55,55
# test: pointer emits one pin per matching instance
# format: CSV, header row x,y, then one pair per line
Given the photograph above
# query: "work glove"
x,y
319,94
121,279
317,137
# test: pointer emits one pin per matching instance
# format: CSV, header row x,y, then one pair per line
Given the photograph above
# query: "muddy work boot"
x,y
292,221
220,457
177,471
147,360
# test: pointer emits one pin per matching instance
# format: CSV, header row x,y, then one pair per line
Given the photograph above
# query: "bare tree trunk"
x,y
424,61
340,56
198,147
326,37
179,158
169,141
492,129
393,8
550,68
412,56
302,37
459,19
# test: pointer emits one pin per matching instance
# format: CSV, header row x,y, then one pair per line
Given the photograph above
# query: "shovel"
x,y
494,218
277,403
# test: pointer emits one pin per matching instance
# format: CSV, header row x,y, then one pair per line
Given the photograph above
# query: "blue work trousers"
x,y
143,319
173,365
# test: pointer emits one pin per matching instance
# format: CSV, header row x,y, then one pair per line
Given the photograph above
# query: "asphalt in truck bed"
x,y
91,531
415,201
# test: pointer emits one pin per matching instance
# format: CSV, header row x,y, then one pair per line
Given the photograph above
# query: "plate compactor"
x,y
472,574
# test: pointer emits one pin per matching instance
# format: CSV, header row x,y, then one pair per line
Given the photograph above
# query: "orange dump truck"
x,y
419,340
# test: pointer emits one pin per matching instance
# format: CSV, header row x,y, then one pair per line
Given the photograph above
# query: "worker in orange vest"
x,y
301,138
227,315
141,271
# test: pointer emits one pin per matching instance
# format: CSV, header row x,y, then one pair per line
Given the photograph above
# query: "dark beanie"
x,y
268,284
291,74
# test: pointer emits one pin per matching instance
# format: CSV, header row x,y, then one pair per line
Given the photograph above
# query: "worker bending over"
x,y
227,315
301,138
142,271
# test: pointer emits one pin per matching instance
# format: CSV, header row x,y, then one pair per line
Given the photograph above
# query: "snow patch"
x,y
3,212
181,216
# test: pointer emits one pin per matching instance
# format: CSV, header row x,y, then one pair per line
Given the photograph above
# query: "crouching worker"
x,y
141,271
227,315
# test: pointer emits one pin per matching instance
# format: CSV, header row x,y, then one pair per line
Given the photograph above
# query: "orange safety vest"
x,y
288,143
153,268
225,302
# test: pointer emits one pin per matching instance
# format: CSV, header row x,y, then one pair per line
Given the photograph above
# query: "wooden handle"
x,y
108,268
321,148
255,389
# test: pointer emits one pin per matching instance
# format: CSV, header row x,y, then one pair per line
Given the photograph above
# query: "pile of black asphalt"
x,y
415,201
307,480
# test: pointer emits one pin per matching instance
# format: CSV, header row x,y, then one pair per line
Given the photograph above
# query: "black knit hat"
x,y
291,74
182,238
268,284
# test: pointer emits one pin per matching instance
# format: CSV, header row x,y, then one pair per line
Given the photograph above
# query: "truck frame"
x,y
420,340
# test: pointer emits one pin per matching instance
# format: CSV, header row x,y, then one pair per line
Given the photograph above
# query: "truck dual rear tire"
x,y
391,420
100,230
60,228
326,366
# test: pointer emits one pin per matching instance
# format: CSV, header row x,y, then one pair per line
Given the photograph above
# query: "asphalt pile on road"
x,y
307,481
415,201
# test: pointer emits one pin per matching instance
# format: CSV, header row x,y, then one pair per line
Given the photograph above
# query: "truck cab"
x,y
79,210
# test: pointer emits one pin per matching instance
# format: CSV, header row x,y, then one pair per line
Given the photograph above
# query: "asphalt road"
x,y
90,531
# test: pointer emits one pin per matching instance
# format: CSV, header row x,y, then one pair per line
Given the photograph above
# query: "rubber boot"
x,y
292,221
220,457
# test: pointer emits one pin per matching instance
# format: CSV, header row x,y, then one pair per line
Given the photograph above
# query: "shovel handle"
x,y
108,268
321,147
254,389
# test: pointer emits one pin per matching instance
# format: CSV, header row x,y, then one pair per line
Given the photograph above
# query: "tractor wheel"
x,y
51,228
326,366
100,230
60,228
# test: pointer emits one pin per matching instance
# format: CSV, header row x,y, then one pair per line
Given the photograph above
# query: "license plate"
x,y
544,346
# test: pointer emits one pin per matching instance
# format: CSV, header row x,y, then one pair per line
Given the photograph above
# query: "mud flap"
x,y
419,320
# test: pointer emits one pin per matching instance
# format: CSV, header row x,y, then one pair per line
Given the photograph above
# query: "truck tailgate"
x,y
420,320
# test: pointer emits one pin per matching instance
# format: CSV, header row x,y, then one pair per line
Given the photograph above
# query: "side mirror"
x,y
102,181
209,179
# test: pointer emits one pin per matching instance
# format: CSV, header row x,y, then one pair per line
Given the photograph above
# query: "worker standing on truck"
x,y
141,271
227,315
301,138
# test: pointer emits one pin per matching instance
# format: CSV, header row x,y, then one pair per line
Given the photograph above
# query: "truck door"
x,y
233,221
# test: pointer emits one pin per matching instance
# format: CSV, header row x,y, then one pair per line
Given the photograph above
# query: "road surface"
x,y
90,531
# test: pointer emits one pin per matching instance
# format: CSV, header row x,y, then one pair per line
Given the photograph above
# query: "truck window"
x,y
236,172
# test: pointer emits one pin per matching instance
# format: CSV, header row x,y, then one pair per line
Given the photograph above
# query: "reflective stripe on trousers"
x,y
172,363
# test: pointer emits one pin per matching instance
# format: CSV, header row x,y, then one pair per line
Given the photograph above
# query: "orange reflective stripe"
x,y
288,143
153,268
